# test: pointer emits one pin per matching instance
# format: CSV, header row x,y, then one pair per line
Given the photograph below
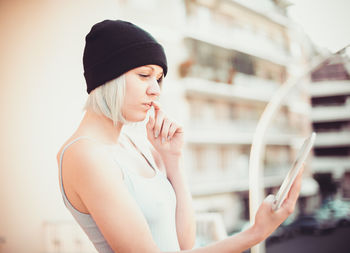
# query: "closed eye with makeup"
x,y
146,73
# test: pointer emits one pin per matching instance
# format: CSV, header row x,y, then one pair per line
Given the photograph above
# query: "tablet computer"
x,y
293,171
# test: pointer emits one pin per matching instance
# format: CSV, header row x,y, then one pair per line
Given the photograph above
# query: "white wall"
x,y
42,93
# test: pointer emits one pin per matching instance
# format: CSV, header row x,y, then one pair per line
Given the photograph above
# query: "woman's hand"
x,y
267,220
164,134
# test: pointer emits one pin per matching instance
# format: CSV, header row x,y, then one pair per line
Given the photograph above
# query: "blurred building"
x,y
227,58
330,91
237,56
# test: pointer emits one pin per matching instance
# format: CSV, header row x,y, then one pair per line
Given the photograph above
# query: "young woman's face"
x,y
142,87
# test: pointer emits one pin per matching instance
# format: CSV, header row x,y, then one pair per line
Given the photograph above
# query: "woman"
x,y
129,199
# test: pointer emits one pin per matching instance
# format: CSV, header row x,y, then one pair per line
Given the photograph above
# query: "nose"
x,y
153,88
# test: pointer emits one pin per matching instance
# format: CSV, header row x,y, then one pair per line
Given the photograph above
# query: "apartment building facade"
x,y
330,91
237,57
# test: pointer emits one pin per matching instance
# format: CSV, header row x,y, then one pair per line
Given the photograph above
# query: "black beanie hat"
x,y
113,47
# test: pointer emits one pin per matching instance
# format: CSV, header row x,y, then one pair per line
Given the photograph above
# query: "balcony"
x,y
265,8
330,113
237,39
211,134
245,88
335,165
329,88
226,185
333,139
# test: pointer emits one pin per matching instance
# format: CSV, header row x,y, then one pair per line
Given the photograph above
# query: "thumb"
x,y
269,201
270,198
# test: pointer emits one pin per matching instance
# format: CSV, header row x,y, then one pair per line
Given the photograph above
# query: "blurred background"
x,y
226,59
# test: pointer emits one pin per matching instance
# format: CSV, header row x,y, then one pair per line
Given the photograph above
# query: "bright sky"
x,y
327,22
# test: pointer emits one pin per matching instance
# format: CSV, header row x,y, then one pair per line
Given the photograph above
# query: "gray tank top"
x,y
154,196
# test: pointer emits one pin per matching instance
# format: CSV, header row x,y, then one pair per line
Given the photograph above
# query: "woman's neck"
x,y
100,128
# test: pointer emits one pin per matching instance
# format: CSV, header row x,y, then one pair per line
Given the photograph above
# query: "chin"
x,y
136,118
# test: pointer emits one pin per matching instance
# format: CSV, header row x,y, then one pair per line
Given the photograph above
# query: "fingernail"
x,y
163,139
168,138
156,134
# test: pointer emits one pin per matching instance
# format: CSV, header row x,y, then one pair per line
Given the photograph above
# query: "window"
x,y
243,63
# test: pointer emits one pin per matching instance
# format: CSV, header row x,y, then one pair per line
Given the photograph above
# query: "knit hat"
x,y
113,47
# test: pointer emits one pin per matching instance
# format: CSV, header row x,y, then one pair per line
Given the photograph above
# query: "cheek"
x,y
132,109
132,98
134,87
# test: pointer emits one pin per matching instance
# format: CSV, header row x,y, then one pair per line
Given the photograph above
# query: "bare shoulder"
x,y
98,183
86,158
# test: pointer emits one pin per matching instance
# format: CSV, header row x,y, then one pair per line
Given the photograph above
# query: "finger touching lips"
x,y
156,105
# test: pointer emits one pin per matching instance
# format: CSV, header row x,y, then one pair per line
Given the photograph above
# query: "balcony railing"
x,y
330,113
245,88
238,39
237,132
209,228
225,185
333,139
335,165
329,88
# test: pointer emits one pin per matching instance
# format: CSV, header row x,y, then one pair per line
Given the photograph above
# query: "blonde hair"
x,y
108,99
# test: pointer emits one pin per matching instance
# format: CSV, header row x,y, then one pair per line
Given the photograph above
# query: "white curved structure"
x,y
258,145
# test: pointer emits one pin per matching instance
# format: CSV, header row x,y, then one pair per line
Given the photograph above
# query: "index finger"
x,y
156,105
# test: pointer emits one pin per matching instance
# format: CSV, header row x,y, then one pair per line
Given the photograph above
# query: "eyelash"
x,y
158,80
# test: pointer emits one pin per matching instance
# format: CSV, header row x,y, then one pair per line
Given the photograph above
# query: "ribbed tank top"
x,y
155,197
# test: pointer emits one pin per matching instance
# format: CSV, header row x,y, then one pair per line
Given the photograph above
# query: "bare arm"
x,y
266,221
185,218
99,184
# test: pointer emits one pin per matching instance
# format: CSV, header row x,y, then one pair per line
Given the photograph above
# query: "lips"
x,y
148,105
